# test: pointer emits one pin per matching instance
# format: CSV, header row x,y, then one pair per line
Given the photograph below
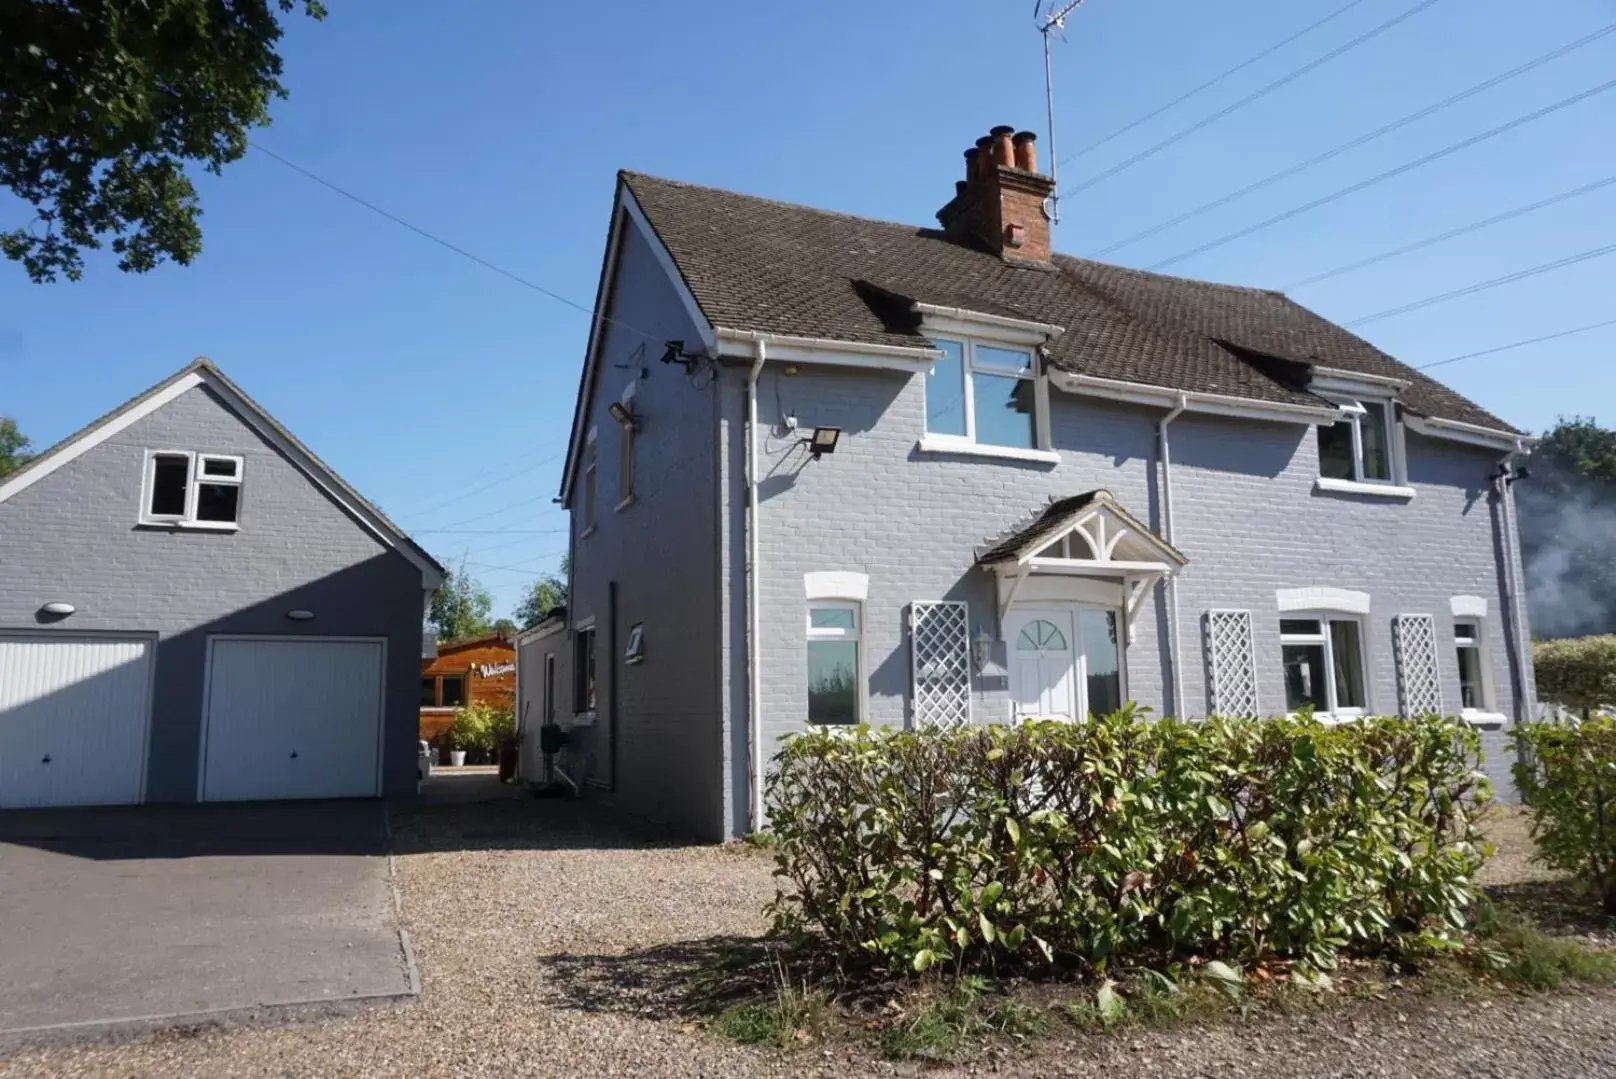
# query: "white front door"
x,y
292,718
73,717
1043,663
1065,661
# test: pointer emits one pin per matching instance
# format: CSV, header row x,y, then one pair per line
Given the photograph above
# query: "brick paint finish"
x,y
73,537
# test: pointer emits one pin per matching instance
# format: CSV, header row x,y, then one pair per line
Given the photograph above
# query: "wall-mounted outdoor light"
x,y
58,609
300,615
624,414
823,441
982,650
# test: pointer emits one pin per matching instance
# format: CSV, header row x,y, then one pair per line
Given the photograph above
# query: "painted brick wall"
x,y
73,537
1247,518
662,551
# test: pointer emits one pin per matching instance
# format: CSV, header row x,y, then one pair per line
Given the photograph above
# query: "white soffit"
x,y
1320,598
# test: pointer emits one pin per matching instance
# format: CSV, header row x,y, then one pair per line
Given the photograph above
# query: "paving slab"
x,y
148,914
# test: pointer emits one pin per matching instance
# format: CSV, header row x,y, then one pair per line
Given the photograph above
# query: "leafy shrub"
x,y
1578,672
1567,774
481,726
1085,843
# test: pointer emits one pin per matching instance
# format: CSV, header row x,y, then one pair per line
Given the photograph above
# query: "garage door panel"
x,y
292,719
74,713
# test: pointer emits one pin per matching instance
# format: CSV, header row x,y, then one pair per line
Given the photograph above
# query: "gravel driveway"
x,y
524,914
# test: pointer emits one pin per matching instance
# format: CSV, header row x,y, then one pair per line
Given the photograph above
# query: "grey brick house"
x,y
825,469
193,607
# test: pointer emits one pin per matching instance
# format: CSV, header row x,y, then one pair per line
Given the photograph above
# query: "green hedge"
x,y
1568,776
1578,672
1125,838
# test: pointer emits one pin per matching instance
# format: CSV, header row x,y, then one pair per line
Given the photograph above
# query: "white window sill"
x,y
194,526
1491,720
583,719
967,448
1354,487
623,505
1332,719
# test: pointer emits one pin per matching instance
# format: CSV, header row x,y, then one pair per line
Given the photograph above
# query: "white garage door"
x,y
73,719
292,718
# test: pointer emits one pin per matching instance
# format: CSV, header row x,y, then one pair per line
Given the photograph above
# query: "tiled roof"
x,y
754,264
1054,517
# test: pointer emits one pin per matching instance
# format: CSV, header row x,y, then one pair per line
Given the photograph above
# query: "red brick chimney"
x,y
1001,201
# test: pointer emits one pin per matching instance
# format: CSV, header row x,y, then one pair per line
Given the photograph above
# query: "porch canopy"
x,y
1084,549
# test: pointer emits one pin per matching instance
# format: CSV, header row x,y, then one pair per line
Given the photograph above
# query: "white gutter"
x,y
1475,434
1046,330
1513,587
754,725
1214,403
731,337
1174,642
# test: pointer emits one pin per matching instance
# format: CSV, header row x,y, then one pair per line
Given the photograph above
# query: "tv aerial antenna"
x,y
1052,20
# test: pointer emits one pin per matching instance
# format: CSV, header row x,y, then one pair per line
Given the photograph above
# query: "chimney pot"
x,y
960,187
984,157
1026,144
1004,152
970,164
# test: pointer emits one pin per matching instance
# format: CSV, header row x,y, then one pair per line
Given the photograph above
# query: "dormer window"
x,y
192,490
1358,447
982,394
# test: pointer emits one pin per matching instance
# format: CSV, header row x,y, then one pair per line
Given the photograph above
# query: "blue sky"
x,y
498,125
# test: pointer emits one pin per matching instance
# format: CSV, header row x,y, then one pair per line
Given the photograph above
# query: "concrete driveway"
x,y
146,915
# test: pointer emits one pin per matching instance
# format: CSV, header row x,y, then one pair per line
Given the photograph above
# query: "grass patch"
x,y
1518,953
791,1016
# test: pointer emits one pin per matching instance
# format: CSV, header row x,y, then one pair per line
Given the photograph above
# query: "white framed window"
x,y
1475,675
835,664
583,670
1323,659
192,490
591,460
626,438
1362,446
984,394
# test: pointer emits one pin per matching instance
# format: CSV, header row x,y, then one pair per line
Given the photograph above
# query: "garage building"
x,y
193,607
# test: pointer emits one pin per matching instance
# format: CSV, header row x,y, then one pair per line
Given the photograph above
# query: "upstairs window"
x,y
1359,446
196,490
590,461
583,670
983,394
1323,664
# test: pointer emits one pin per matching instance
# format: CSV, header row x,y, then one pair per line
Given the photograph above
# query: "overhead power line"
x,y
462,496
498,510
1209,83
1482,286
488,531
1283,80
1519,344
1452,233
1419,162
1353,144
519,567
441,242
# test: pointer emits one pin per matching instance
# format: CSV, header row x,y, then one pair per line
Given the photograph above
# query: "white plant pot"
x,y
457,757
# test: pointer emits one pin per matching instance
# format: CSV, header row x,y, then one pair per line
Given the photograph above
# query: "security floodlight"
x,y
623,414
823,441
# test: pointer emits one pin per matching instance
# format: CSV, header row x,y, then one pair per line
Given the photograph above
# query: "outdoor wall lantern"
x,y
982,650
300,615
823,441
58,609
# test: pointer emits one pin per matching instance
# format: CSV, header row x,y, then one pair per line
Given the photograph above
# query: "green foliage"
x,y
1567,516
1096,843
1578,672
104,105
792,1013
1567,774
542,598
13,446
1515,951
460,607
481,726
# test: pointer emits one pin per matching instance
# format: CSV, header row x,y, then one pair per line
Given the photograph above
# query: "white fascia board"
x,y
1085,567
92,438
1469,433
325,480
1354,383
966,323
783,348
1209,403
626,212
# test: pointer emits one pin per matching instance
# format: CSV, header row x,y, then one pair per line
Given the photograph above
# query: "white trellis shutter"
x,y
1233,663
1419,681
940,657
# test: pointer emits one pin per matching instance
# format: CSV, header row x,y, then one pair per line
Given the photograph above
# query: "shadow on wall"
x,y
1247,447
855,404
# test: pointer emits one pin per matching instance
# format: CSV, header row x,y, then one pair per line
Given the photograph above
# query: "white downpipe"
x,y
1513,586
1174,646
754,682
